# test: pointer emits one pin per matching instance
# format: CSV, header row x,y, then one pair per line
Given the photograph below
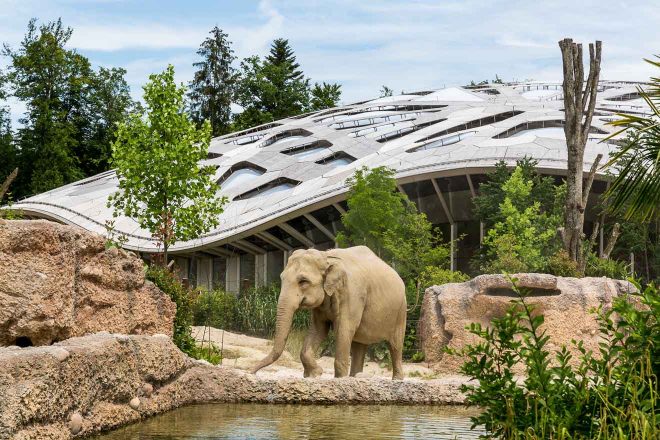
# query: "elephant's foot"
x,y
397,376
313,372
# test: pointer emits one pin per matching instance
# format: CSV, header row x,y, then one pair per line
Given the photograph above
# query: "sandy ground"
x,y
243,352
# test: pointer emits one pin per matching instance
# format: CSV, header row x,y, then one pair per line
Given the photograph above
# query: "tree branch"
x,y
590,180
614,236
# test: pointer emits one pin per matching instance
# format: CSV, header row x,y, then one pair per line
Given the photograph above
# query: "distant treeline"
x,y
72,109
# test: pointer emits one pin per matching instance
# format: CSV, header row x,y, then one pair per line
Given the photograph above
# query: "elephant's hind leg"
x,y
396,346
318,331
357,357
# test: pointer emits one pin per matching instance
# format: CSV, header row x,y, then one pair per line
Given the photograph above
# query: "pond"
x,y
255,421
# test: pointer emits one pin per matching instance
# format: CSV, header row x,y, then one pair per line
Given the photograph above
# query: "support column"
x,y
474,194
452,225
452,261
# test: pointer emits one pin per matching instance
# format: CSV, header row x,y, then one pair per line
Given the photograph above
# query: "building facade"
x,y
286,180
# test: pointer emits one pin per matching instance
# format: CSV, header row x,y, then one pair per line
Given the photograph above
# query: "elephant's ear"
x,y
335,278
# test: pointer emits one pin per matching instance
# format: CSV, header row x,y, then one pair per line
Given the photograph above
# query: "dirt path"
x,y
242,352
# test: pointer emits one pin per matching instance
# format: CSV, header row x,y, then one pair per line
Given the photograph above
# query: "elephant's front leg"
x,y
318,331
344,336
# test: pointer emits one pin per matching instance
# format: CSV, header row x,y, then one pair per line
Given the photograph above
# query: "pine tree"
x,y
213,86
71,113
325,96
281,55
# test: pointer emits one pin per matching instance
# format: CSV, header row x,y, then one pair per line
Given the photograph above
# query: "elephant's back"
x,y
380,278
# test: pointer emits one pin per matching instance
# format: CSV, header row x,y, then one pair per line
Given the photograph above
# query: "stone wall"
x,y
59,281
566,303
99,382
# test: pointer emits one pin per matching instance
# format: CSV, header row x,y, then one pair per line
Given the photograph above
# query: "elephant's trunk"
x,y
285,311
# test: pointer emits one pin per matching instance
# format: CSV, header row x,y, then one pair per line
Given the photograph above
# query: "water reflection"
x,y
252,421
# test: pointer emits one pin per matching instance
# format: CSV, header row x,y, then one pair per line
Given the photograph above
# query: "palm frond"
x,y
635,191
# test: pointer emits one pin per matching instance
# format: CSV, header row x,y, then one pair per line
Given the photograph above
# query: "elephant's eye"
x,y
303,282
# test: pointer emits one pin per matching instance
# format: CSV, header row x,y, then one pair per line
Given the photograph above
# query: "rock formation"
x,y
59,281
99,382
566,303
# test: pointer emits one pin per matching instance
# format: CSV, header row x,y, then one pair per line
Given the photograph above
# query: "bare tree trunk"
x,y
579,104
8,181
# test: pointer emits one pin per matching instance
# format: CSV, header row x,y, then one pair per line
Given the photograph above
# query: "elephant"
x,y
352,290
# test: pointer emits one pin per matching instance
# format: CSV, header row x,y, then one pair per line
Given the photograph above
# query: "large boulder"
x,y
84,385
567,304
59,281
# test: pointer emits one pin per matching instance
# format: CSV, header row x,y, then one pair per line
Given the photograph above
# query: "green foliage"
x,y
208,352
635,191
216,309
517,243
386,91
253,312
213,86
437,276
168,283
609,396
275,88
491,193
156,157
601,267
268,92
324,96
71,110
374,208
281,55
562,265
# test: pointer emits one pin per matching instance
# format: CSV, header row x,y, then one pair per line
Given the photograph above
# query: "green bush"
x,y
610,396
600,267
561,265
216,309
208,352
168,283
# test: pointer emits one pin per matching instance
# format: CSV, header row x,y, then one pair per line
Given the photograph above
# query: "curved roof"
x,y
282,168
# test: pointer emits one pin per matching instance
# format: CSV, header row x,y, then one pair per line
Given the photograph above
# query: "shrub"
x,y
437,276
609,396
605,267
216,309
168,283
208,352
560,264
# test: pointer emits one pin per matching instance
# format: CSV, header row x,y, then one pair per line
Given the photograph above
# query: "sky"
x,y
360,44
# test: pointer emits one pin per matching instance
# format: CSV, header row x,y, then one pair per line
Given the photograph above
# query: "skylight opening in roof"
x,y
337,159
547,132
287,139
625,97
383,128
285,136
276,189
240,177
492,119
553,128
443,142
303,154
406,130
273,187
248,139
253,130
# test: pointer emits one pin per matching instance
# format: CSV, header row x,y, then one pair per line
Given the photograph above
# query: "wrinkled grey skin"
x,y
354,291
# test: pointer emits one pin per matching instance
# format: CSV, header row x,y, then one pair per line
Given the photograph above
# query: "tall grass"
x,y
253,312
612,395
